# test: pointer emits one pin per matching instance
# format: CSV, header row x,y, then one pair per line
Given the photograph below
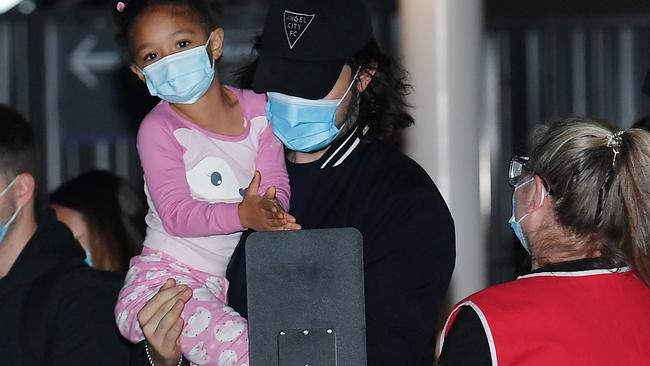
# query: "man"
x,y
336,101
54,309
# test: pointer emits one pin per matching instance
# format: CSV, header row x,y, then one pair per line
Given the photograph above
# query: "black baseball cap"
x,y
305,44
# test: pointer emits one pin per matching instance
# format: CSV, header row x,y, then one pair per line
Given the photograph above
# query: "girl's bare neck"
x,y
217,111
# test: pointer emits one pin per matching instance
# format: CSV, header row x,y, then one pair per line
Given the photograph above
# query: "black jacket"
x,y
408,234
54,309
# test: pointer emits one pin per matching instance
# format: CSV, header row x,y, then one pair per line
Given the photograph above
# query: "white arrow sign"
x,y
84,62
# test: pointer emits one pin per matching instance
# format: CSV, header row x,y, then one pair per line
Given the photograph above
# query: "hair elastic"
x,y
614,141
120,7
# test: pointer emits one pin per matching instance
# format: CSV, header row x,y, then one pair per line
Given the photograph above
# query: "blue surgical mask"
x,y
4,228
304,125
89,259
516,224
182,77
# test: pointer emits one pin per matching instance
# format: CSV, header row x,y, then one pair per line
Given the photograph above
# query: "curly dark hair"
x,y
206,12
382,105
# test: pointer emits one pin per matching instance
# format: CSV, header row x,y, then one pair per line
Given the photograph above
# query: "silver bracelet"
x,y
146,349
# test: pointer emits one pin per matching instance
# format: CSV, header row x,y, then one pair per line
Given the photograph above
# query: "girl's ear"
x,y
136,70
365,77
216,43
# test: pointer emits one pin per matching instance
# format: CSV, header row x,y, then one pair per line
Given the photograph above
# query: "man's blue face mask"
x,y
183,77
4,228
304,125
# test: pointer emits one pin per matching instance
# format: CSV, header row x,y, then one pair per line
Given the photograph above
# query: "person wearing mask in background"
x,y
106,216
54,309
581,208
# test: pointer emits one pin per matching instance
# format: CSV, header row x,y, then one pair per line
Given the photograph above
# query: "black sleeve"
x,y
85,332
409,258
139,356
466,343
236,276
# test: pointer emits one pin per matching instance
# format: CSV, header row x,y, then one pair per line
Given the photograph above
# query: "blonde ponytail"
x,y
601,183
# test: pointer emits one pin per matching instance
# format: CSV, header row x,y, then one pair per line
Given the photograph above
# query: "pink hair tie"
x,y
120,7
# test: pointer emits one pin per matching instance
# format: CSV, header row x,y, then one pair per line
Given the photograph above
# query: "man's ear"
x,y
216,43
25,188
137,71
365,77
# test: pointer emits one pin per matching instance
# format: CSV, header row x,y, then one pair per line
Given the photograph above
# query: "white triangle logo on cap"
x,y
295,25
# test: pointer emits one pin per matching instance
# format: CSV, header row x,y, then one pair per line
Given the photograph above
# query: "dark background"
x,y
60,67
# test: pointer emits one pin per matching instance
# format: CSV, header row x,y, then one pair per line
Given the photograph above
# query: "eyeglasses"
x,y
519,168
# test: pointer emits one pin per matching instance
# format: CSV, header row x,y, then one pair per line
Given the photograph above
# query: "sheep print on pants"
x,y
213,334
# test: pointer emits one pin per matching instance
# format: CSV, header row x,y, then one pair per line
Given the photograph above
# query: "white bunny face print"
x,y
217,170
214,180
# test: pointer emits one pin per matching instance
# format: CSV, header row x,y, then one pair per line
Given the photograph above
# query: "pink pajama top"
x,y
195,179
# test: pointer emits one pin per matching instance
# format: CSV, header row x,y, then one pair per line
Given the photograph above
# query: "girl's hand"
x,y
291,221
263,213
161,322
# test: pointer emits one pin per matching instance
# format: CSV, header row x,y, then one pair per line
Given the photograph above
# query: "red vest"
x,y
565,318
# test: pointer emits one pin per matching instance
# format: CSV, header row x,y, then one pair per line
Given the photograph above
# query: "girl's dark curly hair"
x,y
206,12
382,105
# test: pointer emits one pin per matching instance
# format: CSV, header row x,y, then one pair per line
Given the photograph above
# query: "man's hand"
x,y
161,322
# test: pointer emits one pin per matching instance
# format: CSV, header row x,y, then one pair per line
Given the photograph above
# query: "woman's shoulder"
x,y
70,279
522,294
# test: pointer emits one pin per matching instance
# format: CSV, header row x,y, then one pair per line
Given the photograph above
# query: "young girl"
x,y
199,148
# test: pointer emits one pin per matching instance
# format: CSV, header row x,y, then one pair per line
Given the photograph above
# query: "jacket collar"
x,y
51,246
343,147
586,264
577,268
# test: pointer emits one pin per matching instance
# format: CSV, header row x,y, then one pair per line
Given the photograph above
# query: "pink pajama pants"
x,y
214,334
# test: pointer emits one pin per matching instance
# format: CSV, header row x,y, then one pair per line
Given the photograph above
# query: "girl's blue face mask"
x,y
4,228
183,77
304,125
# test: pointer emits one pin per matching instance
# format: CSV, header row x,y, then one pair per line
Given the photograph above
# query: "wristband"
x,y
146,349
